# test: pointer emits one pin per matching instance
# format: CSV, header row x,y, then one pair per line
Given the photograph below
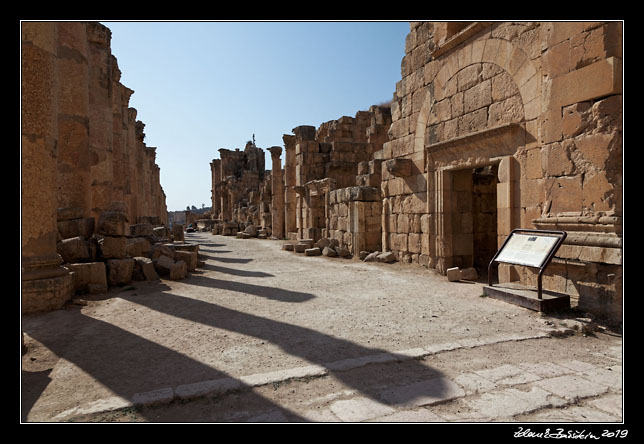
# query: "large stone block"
x,y
189,257
163,264
73,249
89,274
113,223
138,246
119,271
113,247
178,270
144,269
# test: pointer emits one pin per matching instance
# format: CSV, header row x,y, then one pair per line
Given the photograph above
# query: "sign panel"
x,y
531,250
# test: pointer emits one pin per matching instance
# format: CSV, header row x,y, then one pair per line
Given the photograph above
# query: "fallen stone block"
x,y
113,223
138,246
189,257
453,274
386,257
251,230
144,269
313,251
323,242
466,274
162,250
363,255
163,264
288,247
119,271
113,247
89,273
300,248
372,257
308,242
342,251
73,250
178,270
329,252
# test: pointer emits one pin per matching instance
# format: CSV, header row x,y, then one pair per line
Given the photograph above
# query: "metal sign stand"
x,y
524,296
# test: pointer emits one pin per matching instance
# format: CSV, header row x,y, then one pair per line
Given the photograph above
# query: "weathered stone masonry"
x,y
538,105
82,150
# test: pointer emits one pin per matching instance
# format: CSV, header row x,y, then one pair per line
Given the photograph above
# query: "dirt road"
x,y
262,334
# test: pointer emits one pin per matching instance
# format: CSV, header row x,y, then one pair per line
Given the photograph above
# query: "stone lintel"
x,y
503,140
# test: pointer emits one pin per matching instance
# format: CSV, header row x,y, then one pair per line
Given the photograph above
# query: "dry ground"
x,y
254,309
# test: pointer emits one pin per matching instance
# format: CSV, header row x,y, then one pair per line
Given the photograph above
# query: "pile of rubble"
x,y
112,252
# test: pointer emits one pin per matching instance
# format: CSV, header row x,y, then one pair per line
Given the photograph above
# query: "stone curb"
x,y
222,386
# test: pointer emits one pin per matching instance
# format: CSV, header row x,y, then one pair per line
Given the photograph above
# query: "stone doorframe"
x,y
492,145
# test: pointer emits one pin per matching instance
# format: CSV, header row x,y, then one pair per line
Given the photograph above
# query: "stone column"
x,y
290,204
277,191
215,168
100,117
45,284
73,117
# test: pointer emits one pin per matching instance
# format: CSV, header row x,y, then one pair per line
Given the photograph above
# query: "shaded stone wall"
x,y
539,102
354,215
81,150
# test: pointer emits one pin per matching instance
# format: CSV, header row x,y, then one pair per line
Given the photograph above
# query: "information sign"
x,y
531,250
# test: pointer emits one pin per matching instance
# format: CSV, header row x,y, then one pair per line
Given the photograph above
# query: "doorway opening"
x,y
474,218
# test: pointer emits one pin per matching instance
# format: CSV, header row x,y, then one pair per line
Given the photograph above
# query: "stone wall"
x,y
354,215
82,149
327,158
538,102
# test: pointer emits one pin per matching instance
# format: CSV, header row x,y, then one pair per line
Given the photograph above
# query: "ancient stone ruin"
x,y
493,126
93,210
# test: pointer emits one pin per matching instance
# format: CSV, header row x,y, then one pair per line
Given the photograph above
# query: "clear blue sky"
x,y
202,86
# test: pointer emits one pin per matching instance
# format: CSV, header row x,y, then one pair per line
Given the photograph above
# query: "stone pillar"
x,y
277,191
215,169
100,117
45,284
290,203
73,117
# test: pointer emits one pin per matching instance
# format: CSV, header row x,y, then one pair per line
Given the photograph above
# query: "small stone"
x,y
372,257
453,274
387,257
313,251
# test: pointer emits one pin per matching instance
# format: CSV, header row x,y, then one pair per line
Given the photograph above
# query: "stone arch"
x,y
502,53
